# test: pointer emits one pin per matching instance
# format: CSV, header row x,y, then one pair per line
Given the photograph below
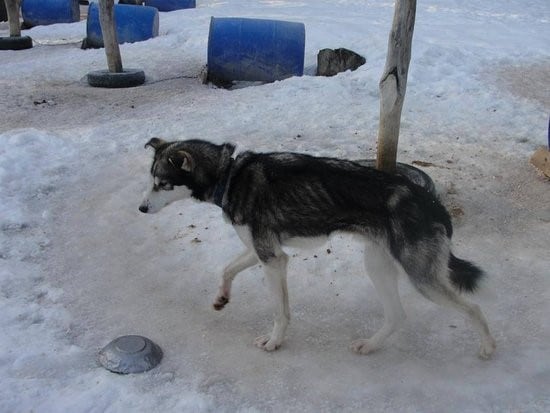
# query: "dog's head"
x,y
182,170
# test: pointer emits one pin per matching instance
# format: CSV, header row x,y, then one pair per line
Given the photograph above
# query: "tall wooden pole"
x,y
393,83
12,9
107,22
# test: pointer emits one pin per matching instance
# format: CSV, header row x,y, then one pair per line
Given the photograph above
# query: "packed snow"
x,y
80,265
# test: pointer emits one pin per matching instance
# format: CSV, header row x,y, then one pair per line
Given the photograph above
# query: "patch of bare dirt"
x,y
530,81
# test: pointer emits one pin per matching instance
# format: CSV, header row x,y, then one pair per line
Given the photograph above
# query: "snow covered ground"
x,y
80,265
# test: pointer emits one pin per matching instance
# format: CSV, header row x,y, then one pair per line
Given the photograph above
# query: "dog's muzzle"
x,y
144,208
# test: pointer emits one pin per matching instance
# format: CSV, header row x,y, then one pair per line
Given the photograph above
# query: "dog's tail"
x,y
464,275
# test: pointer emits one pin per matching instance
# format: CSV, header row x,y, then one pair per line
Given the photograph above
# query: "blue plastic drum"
x,y
42,13
171,5
133,24
242,49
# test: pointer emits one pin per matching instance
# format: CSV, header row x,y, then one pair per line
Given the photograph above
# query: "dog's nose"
x,y
144,208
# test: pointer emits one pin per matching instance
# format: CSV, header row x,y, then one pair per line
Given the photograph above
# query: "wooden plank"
x,y
541,160
12,7
107,23
393,83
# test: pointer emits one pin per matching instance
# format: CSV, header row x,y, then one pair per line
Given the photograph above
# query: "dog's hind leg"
x,y
445,295
246,260
275,273
384,272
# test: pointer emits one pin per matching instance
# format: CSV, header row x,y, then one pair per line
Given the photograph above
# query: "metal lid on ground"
x,y
130,354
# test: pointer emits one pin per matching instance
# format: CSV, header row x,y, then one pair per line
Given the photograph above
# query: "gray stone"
x,y
331,62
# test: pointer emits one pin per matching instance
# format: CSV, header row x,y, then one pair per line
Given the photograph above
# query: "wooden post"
x,y
107,22
12,9
393,83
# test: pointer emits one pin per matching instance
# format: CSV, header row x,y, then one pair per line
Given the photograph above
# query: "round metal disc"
x,y
130,354
130,344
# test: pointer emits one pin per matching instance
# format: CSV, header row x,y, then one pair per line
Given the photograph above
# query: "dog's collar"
x,y
219,189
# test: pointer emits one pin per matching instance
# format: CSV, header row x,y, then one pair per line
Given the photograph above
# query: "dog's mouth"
x,y
147,207
161,196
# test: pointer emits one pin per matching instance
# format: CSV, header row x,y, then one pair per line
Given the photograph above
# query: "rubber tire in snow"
x,y
127,78
15,43
410,172
3,12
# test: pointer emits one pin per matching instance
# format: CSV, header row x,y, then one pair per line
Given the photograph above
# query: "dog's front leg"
x,y
275,272
246,260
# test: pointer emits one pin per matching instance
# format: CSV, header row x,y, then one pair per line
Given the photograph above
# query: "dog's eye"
x,y
165,186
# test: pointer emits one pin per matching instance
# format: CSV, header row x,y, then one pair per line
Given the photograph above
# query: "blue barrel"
x,y
170,5
42,13
254,50
132,24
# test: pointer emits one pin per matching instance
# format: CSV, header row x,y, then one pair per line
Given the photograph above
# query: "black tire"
x,y
15,43
127,78
3,12
413,174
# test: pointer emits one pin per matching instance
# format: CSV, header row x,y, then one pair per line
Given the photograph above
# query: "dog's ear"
x,y
228,148
184,159
155,143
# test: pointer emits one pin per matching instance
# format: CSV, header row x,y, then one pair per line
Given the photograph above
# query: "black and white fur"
x,y
274,198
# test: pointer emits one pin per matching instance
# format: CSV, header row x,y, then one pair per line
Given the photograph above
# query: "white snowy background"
x,y
80,266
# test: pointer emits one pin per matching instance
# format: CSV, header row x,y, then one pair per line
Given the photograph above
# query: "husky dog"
x,y
273,198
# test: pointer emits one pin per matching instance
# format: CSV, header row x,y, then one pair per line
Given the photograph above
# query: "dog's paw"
x,y
266,343
220,302
363,346
487,349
